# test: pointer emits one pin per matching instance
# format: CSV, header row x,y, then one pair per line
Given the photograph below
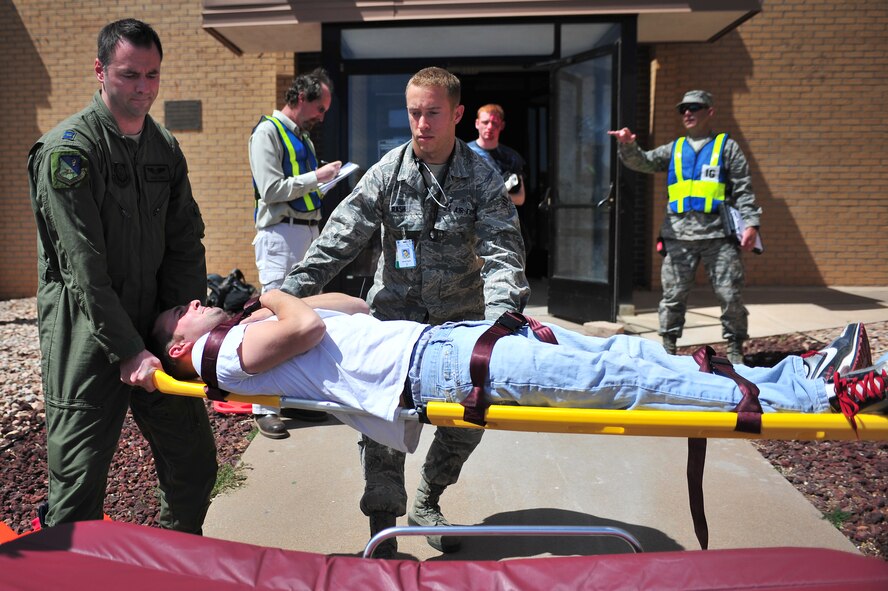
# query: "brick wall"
x,y
49,51
801,87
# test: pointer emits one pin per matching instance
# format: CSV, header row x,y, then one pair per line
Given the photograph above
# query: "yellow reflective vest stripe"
x,y
310,201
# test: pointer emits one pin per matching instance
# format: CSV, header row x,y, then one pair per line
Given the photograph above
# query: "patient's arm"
x,y
260,314
338,302
268,344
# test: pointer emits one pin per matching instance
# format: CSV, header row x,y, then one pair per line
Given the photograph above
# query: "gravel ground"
x,y
847,481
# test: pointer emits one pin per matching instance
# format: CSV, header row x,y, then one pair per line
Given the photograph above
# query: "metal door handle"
x,y
609,198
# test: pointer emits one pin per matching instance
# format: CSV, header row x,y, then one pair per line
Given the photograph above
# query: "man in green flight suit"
x,y
119,239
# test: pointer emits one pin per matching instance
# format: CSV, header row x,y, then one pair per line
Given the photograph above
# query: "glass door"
x,y
583,200
377,122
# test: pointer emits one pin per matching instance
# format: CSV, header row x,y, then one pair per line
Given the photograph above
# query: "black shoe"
x,y
379,521
862,391
849,352
42,510
388,550
311,416
271,426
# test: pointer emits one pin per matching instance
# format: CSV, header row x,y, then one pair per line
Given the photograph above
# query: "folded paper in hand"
x,y
734,227
344,171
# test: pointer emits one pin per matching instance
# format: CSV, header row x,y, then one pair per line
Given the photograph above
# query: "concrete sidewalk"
x,y
772,311
302,492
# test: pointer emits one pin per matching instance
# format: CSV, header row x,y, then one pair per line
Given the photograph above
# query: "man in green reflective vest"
x,y
288,201
705,171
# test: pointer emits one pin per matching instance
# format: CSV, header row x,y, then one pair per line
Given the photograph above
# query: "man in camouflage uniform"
x,y
714,173
119,241
451,250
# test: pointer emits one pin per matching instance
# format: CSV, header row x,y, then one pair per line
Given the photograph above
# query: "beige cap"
x,y
696,96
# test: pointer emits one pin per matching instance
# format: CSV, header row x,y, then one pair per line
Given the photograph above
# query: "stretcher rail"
x,y
715,424
503,530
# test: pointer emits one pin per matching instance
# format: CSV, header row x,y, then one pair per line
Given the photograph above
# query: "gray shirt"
x,y
275,189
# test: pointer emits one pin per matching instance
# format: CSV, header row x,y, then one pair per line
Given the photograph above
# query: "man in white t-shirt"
x,y
326,347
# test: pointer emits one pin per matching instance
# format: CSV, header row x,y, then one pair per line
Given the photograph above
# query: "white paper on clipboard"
x,y
344,171
735,226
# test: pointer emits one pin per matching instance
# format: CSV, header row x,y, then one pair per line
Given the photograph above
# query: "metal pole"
x,y
502,530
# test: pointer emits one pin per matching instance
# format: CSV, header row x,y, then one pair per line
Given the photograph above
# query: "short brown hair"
x,y
159,342
440,78
493,109
137,33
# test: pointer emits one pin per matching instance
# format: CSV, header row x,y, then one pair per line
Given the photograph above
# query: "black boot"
x,y
735,351
380,520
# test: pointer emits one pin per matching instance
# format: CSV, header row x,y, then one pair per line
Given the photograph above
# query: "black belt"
x,y
407,395
300,222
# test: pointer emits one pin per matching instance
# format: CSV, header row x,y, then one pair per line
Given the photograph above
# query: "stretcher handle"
x,y
169,385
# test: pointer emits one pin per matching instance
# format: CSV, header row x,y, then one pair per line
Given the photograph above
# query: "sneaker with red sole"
x,y
862,391
850,351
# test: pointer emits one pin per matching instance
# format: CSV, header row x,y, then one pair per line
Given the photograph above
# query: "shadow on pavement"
x,y
502,547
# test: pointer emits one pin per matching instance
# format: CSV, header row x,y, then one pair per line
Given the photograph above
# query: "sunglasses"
x,y
692,107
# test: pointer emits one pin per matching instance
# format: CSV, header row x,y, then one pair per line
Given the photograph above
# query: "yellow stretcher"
x,y
786,426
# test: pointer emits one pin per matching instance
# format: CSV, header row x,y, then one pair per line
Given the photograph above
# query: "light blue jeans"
x,y
621,372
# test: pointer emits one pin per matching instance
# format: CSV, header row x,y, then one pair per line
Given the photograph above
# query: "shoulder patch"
x,y
68,169
69,135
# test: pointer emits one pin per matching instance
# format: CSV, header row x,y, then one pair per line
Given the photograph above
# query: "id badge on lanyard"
x,y
405,255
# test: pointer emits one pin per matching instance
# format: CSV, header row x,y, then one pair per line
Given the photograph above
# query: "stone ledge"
x,y
602,328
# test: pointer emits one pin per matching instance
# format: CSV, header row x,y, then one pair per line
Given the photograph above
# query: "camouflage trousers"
x,y
723,265
384,488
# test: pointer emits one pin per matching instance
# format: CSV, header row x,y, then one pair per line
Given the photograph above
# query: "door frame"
x,y
335,129
573,299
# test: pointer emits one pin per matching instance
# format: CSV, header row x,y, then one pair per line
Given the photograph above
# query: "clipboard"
x,y
344,171
735,226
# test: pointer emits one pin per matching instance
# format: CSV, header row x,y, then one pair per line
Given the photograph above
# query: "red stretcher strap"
x,y
749,420
476,403
749,410
211,351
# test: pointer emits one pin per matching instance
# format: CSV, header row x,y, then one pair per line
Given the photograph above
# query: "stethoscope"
x,y
431,189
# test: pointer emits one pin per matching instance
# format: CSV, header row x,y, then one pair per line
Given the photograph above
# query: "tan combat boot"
x,y
427,512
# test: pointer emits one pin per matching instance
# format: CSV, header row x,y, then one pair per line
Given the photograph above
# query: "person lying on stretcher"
x,y
328,348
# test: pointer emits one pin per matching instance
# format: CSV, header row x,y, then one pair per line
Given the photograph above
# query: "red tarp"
x,y
95,555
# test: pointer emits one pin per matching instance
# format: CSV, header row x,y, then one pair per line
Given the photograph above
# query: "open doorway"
x,y
524,96
572,216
